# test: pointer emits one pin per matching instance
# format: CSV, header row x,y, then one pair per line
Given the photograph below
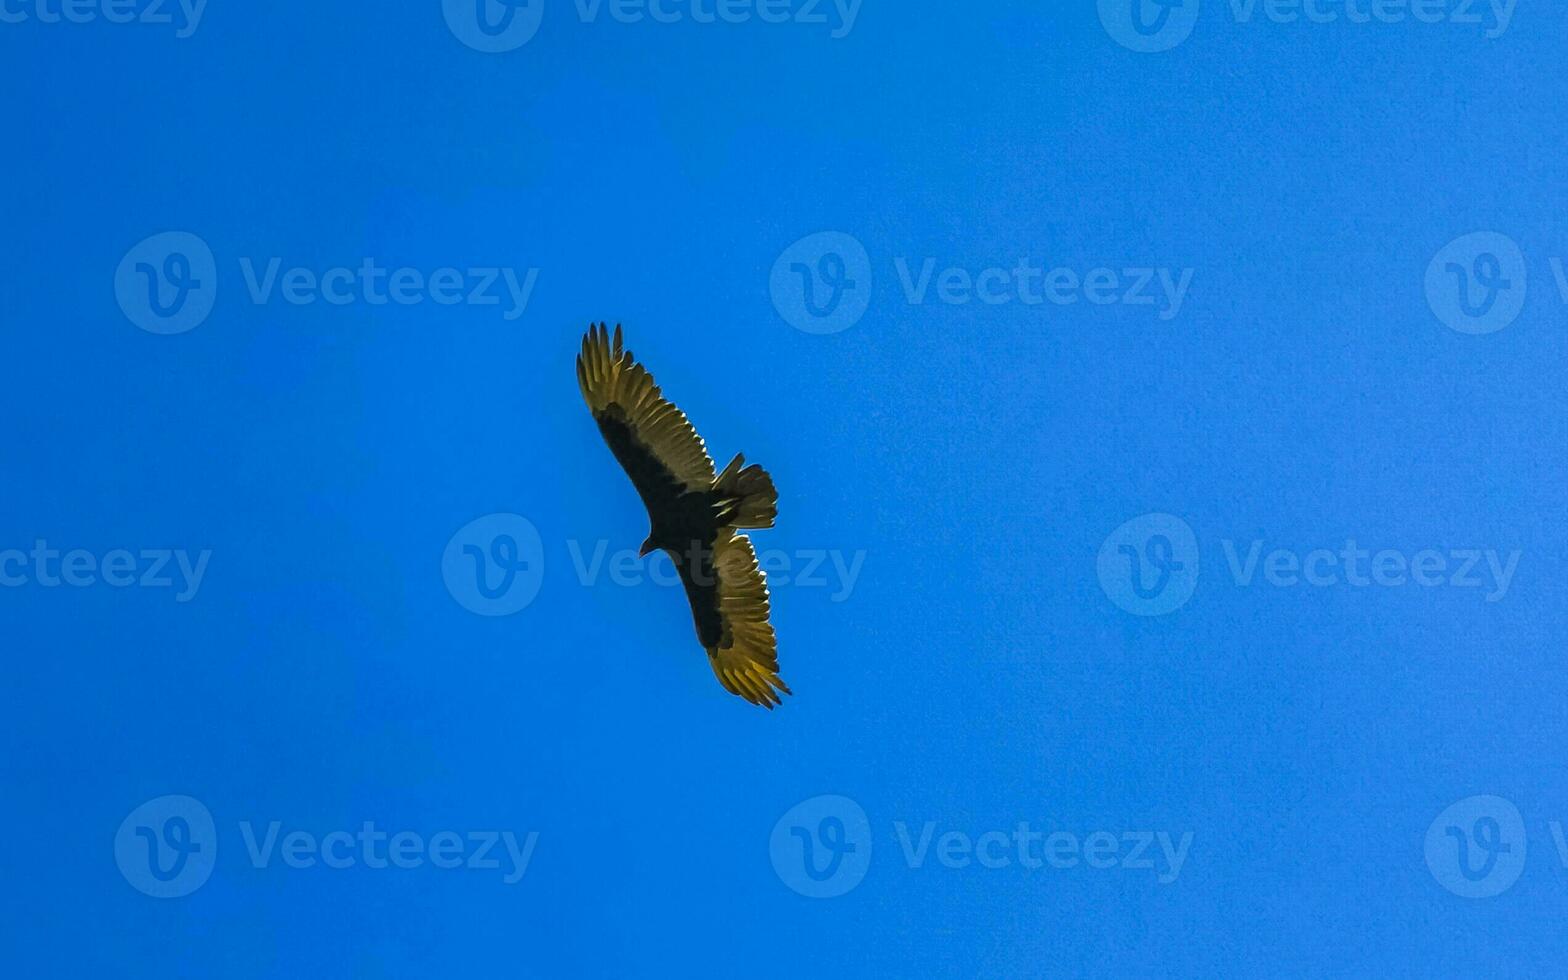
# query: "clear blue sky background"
x,y
983,670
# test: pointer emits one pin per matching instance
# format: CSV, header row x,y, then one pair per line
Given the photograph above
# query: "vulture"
x,y
693,514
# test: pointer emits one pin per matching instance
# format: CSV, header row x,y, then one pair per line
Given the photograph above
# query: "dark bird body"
x,y
693,514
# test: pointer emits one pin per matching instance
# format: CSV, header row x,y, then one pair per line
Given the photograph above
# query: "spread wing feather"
x,y
645,431
745,658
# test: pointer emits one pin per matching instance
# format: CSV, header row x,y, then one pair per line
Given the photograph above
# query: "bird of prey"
x,y
693,514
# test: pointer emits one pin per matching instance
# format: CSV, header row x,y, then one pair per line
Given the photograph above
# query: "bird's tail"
x,y
753,502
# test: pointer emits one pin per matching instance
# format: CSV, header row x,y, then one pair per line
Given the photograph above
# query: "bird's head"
x,y
648,548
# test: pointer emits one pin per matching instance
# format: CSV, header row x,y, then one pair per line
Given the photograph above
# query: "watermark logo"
x,y
1476,284
497,26
148,568
493,26
494,566
167,283
183,15
376,285
1476,848
994,850
1149,565
1491,16
821,848
840,14
379,849
805,568
1149,26
1159,25
167,847
1031,284
822,283
1350,564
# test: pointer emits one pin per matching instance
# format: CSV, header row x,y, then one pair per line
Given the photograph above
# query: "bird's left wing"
x,y
744,655
653,439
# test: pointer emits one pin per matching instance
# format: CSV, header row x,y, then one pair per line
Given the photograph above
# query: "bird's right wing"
x,y
729,598
653,440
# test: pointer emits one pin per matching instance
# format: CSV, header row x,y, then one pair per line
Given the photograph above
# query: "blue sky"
x,y
1166,403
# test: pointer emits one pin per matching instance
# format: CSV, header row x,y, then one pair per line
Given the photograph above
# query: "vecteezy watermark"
x,y
837,15
1148,26
147,568
1159,25
494,565
1149,566
1477,283
376,285
1101,850
1350,564
1476,848
446,850
495,26
168,848
1491,17
183,15
167,284
821,848
1032,285
822,284
807,568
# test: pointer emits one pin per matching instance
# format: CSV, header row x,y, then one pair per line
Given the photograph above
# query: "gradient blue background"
x,y
979,455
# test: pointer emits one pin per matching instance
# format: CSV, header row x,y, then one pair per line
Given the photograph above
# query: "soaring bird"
x,y
692,514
